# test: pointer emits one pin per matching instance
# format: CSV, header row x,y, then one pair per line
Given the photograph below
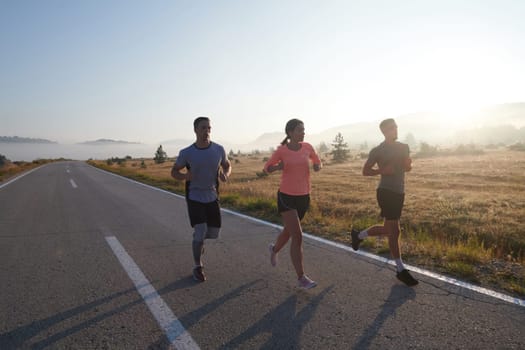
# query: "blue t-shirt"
x,y
393,154
204,165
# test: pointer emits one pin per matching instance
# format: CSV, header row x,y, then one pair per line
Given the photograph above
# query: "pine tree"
x,y
323,147
3,160
160,155
340,152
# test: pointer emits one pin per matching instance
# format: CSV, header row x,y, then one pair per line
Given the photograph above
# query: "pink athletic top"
x,y
295,177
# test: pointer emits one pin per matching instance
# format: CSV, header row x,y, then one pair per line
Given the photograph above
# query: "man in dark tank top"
x,y
393,160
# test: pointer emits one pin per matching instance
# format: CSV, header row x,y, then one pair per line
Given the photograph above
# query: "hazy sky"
x,y
73,71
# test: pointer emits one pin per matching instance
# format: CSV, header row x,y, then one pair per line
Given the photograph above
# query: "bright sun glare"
x,y
457,82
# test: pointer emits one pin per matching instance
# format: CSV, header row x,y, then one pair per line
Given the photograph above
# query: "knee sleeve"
x,y
199,232
213,232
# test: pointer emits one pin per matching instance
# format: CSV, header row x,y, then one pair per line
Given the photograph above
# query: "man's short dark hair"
x,y
386,123
198,120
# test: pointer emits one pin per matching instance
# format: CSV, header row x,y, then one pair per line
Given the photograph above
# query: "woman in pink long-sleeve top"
x,y
293,157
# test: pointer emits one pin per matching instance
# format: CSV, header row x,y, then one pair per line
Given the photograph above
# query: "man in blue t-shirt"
x,y
393,160
205,162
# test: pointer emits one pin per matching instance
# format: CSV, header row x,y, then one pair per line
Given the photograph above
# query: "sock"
x,y
363,234
399,264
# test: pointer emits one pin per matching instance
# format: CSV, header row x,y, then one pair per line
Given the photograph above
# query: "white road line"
x,y
485,291
21,176
431,274
178,337
73,183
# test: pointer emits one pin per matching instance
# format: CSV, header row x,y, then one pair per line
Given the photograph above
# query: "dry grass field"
x,y
463,216
9,169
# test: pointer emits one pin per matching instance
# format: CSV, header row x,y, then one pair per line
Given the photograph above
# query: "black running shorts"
x,y
204,213
287,202
391,203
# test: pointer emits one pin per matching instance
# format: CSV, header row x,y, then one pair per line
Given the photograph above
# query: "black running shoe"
x,y
198,274
405,277
356,241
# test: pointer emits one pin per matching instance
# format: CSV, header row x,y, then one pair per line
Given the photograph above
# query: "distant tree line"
x,y
426,150
16,139
517,147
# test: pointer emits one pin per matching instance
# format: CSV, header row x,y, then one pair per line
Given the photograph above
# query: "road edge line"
x,y
450,280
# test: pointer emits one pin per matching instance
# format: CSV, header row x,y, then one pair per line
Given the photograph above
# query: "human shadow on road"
x,y
18,337
193,317
283,323
399,294
21,336
180,284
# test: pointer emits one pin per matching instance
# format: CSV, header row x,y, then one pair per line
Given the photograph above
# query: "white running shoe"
x,y
273,255
305,282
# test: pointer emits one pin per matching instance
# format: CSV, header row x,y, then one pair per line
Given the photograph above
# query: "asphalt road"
x,y
89,260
